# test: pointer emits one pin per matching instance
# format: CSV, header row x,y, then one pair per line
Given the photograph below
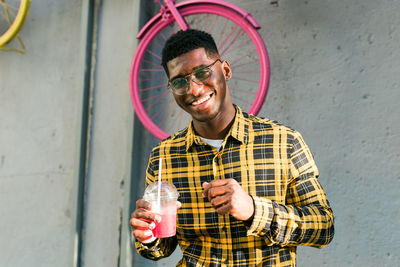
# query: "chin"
x,y
205,118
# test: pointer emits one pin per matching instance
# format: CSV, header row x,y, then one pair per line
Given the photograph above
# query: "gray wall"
x,y
72,153
40,121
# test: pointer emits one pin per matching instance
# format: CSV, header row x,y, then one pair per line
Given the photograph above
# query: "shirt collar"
x,y
239,130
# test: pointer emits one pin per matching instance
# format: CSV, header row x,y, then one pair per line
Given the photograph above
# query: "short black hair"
x,y
186,41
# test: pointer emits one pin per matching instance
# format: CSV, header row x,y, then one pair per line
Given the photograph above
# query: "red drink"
x,y
163,202
167,226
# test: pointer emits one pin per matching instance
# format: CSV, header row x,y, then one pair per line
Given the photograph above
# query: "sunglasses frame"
x,y
186,77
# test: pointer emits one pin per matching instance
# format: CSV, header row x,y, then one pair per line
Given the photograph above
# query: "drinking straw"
x,y
159,182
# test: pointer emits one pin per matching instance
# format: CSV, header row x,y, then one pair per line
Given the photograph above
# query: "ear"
x,y
227,70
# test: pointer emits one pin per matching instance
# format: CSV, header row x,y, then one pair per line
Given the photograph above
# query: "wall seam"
x,y
86,126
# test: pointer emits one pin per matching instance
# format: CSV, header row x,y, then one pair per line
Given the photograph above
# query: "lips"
x,y
201,100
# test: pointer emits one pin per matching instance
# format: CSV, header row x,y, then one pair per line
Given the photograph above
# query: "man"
x,y
248,186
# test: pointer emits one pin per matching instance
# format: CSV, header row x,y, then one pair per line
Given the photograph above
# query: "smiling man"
x,y
249,193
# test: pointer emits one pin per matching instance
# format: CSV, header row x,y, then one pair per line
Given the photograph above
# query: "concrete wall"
x,y
335,68
73,154
40,121
66,136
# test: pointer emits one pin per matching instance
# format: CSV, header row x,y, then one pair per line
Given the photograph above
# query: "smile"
x,y
201,100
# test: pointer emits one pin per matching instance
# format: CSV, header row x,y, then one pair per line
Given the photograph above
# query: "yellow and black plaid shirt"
x,y
274,165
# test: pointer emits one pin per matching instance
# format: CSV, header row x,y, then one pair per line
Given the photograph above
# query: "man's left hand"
x,y
228,197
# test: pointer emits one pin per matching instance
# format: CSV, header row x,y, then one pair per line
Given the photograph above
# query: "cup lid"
x,y
167,191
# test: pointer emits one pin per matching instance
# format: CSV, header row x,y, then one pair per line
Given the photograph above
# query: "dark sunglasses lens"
x,y
202,74
179,83
179,86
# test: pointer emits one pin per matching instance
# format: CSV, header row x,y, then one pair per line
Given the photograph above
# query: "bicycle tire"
x,y
148,81
16,24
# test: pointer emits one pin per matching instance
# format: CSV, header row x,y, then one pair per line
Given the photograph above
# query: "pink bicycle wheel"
x,y
238,42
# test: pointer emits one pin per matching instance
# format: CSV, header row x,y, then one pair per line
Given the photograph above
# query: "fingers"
x,y
143,220
215,183
205,186
220,200
143,211
228,197
143,204
143,235
219,194
142,229
224,208
217,188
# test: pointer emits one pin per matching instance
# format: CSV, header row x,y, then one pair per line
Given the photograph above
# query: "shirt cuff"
x,y
149,240
148,246
263,215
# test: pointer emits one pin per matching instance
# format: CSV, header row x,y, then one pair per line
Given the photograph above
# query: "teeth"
x,y
198,102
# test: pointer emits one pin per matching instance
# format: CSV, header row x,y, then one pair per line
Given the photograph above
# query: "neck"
x,y
218,127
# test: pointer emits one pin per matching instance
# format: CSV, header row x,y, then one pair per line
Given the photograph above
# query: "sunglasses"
x,y
180,85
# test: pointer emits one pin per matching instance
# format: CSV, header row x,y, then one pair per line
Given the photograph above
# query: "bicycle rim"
x,y
12,17
238,43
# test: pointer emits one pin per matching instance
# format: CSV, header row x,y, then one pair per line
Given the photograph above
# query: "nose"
x,y
195,88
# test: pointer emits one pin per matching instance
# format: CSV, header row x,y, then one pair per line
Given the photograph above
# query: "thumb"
x,y
204,185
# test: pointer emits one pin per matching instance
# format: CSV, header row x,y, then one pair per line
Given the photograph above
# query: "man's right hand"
x,y
143,221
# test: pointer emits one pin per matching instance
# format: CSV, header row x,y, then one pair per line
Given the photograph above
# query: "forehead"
x,y
185,63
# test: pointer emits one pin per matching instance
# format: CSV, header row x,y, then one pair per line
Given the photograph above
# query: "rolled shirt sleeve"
x,y
306,218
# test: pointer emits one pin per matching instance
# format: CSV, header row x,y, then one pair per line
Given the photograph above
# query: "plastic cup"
x,y
165,206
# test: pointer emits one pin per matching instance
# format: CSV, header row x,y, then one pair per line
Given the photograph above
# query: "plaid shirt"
x,y
273,164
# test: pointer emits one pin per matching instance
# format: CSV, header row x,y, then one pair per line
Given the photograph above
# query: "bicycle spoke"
x,y
214,23
151,63
221,34
175,122
239,46
3,14
227,37
248,71
158,44
241,99
166,114
150,70
246,80
155,102
246,55
205,23
233,66
152,79
14,8
243,91
9,13
153,87
154,96
238,35
153,54
163,37
197,21
237,42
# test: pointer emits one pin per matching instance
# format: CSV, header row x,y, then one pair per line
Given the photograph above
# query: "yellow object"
x,y
15,25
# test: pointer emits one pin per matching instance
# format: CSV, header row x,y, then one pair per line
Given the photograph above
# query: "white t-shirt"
x,y
217,143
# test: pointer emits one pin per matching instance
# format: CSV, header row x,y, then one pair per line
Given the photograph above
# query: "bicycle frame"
x,y
146,90
172,9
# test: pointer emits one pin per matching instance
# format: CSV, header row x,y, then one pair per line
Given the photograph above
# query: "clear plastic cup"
x,y
165,207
